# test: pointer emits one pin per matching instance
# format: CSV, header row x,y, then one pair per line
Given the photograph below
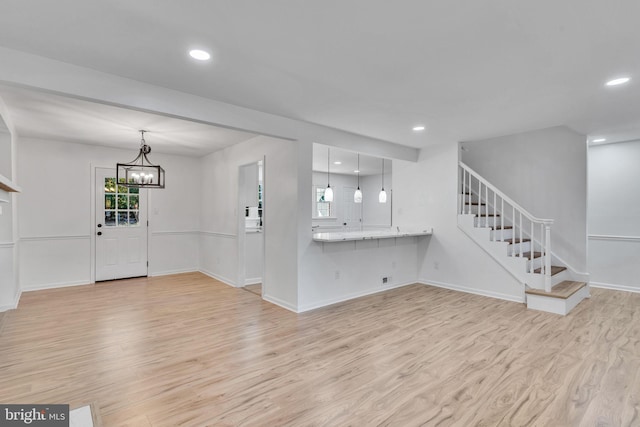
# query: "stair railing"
x,y
493,203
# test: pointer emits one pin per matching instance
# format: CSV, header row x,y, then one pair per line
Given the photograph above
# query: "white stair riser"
x,y
490,221
501,234
517,247
557,305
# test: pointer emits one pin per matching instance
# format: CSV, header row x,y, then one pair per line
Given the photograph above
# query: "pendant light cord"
x,y
358,171
328,161
382,174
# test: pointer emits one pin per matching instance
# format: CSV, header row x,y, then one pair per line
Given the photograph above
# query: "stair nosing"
x,y
539,292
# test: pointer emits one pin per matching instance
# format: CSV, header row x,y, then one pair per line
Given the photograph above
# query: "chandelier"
x,y
140,172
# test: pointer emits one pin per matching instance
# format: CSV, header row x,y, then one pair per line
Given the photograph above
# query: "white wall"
x,y
614,215
220,246
425,194
544,171
55,226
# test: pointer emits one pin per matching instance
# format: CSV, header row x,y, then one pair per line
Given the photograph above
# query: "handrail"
x,y
504,196
496,220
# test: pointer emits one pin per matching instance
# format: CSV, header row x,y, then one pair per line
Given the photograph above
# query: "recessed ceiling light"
x,y
599,140
200,55
418,128
618,81
337,163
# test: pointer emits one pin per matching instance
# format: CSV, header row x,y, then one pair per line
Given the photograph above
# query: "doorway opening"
x,y
251,227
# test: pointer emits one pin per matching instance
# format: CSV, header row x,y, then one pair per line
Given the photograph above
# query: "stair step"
x,y
498,227
475,204
555,269
562,290
528,254
487,215
516,240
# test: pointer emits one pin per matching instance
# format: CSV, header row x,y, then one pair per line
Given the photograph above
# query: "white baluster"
x,y
480,200
520,235
464,180
502,219
532,250
547,260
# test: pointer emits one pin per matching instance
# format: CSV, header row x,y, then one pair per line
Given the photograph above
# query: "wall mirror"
x,y
337,169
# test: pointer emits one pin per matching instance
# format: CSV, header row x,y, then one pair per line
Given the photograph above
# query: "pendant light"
x,y
382,197
140,172
328,192
357,196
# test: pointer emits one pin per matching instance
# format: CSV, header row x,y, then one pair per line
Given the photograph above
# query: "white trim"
x,y
174,233
351,296
7,245
216,234
253,281
55,285
474,291
280,303
170,272
615,238
219,278
561,306
583,276
615,287
59,237
13,306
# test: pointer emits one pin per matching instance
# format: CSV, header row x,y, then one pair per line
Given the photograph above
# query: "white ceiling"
x,y
369,165
466,69
49,116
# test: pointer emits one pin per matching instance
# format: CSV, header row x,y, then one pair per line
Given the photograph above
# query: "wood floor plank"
x,y
189,350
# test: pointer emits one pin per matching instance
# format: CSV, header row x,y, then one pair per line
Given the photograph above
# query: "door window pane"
x,y
109,201
122,201
123,219
109,218
133,218
109,185
133,202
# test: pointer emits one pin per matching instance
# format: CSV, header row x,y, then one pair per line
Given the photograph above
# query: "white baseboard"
x,y
474,291
253,281
169,272
279,303
13,306
615,287
219,278
56,285
331,301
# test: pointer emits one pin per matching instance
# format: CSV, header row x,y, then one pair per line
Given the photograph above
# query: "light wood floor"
x,y
187,350
255,289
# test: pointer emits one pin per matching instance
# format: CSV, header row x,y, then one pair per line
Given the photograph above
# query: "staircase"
x,y
518,241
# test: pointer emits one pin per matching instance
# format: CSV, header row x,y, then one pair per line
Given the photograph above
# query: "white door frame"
x,y
92,223
240,229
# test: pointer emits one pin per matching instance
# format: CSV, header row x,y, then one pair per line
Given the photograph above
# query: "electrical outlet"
x,y
436,265
337,275
393,264
385,280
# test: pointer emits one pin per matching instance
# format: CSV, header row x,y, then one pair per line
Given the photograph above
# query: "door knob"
x,y
99,233
99,225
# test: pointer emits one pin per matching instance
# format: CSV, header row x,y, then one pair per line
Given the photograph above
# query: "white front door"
x,y
121,228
